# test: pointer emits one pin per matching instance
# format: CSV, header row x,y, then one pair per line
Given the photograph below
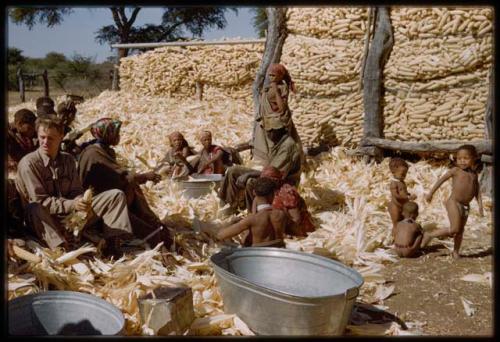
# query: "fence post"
x,y
45,83
21,84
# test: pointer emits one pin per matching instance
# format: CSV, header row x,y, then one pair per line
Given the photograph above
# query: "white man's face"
x,y
50,140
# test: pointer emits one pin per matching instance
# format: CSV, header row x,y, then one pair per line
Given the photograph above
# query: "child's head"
x,y
66,111
410,210
45,106
206,139
24,121
467,157
177,140
264,187
398,168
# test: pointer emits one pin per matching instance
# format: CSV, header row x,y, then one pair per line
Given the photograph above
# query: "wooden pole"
x,y
486,180
199,90
378,53
438,146
45,83
21,84
192,43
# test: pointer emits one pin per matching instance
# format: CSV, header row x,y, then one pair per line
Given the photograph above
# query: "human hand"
x,y
81,205
152,176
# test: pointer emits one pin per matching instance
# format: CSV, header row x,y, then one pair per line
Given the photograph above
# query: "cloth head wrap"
x,y
106,130
282,73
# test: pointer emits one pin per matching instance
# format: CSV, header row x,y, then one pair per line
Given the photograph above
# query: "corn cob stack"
x,y
437,75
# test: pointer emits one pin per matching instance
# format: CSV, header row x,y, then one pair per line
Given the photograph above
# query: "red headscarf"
x,y
282,73
271,172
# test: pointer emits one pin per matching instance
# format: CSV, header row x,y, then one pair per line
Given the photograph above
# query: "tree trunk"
x,y
378,54
116,75
446,146
275,39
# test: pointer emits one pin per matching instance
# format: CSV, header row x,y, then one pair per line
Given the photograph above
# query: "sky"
x,y
76,34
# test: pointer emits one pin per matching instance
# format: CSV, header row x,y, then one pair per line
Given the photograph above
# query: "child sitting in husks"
x,y
211,156
464,187
176,162
408,234
399,193
265,228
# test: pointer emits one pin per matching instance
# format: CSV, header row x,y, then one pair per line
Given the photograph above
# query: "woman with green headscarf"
x,y
99,169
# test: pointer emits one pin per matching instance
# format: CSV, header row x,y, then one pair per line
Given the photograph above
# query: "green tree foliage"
x,y
29,16
259,21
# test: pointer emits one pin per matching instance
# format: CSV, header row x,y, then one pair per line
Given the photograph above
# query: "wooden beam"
x,y
190,43
448,146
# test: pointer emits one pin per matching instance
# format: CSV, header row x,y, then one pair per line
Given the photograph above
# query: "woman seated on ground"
x,y
176,162
288,199
99,169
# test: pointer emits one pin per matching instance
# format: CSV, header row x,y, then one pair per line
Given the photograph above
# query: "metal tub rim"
x,y
350,293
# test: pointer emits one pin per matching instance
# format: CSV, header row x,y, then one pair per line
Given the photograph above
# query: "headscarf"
x,y
106,130
282,73
271,172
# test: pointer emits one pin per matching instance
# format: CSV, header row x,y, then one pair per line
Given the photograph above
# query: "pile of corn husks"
x,y
347,198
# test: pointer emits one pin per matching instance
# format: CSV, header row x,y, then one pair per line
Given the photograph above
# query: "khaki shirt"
x,y
285,156
52,183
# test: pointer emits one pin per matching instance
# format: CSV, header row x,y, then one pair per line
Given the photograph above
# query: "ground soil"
x,y
428,288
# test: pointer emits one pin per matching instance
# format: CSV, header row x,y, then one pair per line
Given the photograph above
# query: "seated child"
x,y
266,227
45,106
20,136
66,111
176,163
408,234
464,187
399,193
211,156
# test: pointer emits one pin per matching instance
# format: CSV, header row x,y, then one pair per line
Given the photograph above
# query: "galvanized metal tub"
x,y
63,313
199,185
283,292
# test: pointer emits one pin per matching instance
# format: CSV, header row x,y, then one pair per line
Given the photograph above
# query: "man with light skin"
x,y
50,189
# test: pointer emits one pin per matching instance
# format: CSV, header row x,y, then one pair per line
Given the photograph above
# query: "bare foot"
x,y
455,255
425,239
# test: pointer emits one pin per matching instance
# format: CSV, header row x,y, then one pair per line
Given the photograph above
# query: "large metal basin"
x,y
283,292
63,313
199,185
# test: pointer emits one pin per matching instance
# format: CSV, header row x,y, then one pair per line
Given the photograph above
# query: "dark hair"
x,y
478,165
50,122
23,116
410,208
66,108
264,186
44,101
397,162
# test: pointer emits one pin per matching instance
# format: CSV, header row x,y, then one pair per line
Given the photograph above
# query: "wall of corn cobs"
x,y
436,79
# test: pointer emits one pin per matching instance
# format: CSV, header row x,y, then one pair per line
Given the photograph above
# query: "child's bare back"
x,y
408,234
